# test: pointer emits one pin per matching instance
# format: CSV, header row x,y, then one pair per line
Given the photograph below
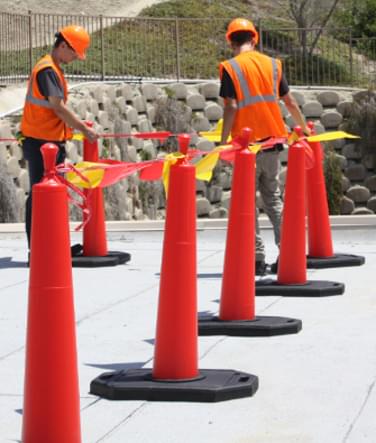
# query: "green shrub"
x,y
333,181
362,122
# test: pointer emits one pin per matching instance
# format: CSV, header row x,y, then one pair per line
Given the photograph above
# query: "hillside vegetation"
x,y
129,8
327,64
159,46
267,11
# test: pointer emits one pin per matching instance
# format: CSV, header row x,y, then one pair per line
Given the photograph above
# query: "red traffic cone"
x,y
175,375
51,411
95,251
95,241
292,257
292,267
319,233
320,245
175,355
237,304
238,284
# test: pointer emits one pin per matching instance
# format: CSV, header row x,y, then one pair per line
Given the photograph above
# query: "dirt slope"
x,y
115,8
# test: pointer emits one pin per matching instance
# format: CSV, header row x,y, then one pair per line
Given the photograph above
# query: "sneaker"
x,y
260,268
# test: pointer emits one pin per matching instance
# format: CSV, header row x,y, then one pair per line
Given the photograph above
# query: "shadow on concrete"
x,y
201,275
6,263
210,275
118,366
204,314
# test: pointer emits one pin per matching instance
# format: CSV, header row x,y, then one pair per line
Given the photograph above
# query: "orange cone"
x,y
320,244
175,355
319,233
237,304
175,375
292,267
51,411
238,284
95,251
95,241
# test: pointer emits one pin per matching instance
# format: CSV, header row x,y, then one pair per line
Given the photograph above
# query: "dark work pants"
x,y
32,154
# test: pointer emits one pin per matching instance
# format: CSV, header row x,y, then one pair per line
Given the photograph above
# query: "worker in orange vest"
x,y
252,84
46,117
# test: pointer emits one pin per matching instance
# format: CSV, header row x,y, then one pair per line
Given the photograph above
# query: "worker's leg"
x,y
270,191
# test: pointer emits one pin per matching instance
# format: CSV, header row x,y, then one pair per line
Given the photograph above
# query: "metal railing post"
x,y
30,14
351,58
261,46
103,71
177,39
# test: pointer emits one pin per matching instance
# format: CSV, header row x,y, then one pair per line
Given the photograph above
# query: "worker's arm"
x,y
229,113
295,111
70,119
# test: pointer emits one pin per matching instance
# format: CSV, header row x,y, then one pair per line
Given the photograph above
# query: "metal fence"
x,y
175,48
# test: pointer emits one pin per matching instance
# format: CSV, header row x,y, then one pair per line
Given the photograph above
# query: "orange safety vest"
x,y
39,119
256,79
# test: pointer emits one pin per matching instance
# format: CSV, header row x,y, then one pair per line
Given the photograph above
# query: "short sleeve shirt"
x,y
227,89
49,84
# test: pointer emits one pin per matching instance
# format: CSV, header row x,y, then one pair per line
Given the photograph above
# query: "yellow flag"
x,y
293,137
205,166
324,137
169,160
215,135
255,148
78,136
329,136
89,170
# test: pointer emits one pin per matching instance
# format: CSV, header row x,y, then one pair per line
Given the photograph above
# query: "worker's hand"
x,y
20,138
90,134
225,140
306,131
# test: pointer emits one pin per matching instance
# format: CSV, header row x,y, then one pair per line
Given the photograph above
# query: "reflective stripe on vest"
x,y
44,103
248,98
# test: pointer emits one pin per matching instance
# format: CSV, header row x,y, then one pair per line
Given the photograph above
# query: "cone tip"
x,y
49,152
183,140
246,137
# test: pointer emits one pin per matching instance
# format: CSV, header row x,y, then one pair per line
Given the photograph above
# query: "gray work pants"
x,y
267,170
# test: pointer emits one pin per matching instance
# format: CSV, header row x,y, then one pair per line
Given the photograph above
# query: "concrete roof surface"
x,y
317,386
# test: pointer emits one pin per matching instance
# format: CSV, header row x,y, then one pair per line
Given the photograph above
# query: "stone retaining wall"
x,y
126,108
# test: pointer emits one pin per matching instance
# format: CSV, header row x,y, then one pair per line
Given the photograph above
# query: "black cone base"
x,y
312,288
213,385
113,258
259,327
337,261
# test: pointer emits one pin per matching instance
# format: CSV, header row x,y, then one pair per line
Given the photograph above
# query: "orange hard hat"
x,y
241,24
78,39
